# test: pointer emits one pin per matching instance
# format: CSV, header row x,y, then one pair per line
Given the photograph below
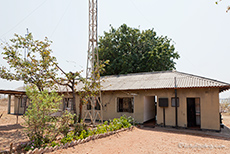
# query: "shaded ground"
x,y
10,132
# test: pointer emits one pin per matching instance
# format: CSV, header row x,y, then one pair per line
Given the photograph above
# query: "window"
x,y
96,107
67,103
22,101
174,103
125,104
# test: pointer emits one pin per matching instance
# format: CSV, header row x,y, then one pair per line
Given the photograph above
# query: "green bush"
x,y
65,121
68,138
79,127
53,144
81,132
83,135
41,126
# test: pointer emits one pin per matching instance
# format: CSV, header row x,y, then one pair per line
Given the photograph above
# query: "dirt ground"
x,y
10,132
226,119
158,140
153,140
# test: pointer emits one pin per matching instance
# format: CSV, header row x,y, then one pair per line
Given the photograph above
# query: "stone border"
x,y
67,145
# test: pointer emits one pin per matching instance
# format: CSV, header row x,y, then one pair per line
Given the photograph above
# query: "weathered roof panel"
x,y
159,80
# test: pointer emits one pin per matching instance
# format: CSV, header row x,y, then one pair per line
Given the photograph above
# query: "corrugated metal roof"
x,y
159,80
149,80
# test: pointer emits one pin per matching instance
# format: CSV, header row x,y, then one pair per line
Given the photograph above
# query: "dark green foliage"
x,y
68,138
79,127
53,144
41,127
81,132
130,50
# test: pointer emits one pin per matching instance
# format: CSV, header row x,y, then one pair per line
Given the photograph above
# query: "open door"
x,y
193,112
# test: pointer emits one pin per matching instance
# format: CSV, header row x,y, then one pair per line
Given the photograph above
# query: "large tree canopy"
x,y
36,68
39,68
130,50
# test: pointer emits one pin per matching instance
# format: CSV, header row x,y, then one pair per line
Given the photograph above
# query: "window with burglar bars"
x,y
125,104
22,101
173,102
67,102
96,107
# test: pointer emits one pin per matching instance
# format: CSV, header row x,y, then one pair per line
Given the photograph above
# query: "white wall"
x,y
149,108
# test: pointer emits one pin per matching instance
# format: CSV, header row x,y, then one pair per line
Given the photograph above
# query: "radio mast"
x,y
92,71
26,49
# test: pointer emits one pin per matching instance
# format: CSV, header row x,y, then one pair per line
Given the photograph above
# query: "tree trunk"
x,y
80,111
73,106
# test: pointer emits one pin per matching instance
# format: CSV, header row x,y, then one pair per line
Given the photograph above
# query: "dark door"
x,y
191,112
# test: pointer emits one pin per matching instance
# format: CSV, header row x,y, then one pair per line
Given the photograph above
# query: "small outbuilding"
x,y
169,98
19,98
154,95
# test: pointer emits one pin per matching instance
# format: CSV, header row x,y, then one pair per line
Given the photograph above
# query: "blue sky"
x,y
200,29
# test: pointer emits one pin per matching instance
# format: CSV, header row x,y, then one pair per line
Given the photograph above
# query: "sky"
x,y
199,30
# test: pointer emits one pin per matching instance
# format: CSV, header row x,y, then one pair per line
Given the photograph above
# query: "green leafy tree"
x,y
70,80
91,86
40,68
130,50
41,126
36,68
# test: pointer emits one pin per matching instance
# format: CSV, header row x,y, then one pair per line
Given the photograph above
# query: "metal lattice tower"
x,y
92,44
93,61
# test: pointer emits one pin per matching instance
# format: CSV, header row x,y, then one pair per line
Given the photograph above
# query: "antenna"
x,y
26,49
93,61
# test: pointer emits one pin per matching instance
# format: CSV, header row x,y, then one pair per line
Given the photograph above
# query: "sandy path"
x,y
226,119
10,132
150,140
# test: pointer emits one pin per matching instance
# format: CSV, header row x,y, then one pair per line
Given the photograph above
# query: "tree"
x,y
92,86
70,80
130,50
39,68
36,68
42,126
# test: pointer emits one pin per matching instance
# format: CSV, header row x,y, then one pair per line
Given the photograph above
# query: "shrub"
x,y
53,144
65,121
67,138
41,126
79,127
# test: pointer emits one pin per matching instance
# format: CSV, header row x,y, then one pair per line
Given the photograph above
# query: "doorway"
x,y
150,111
193,112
